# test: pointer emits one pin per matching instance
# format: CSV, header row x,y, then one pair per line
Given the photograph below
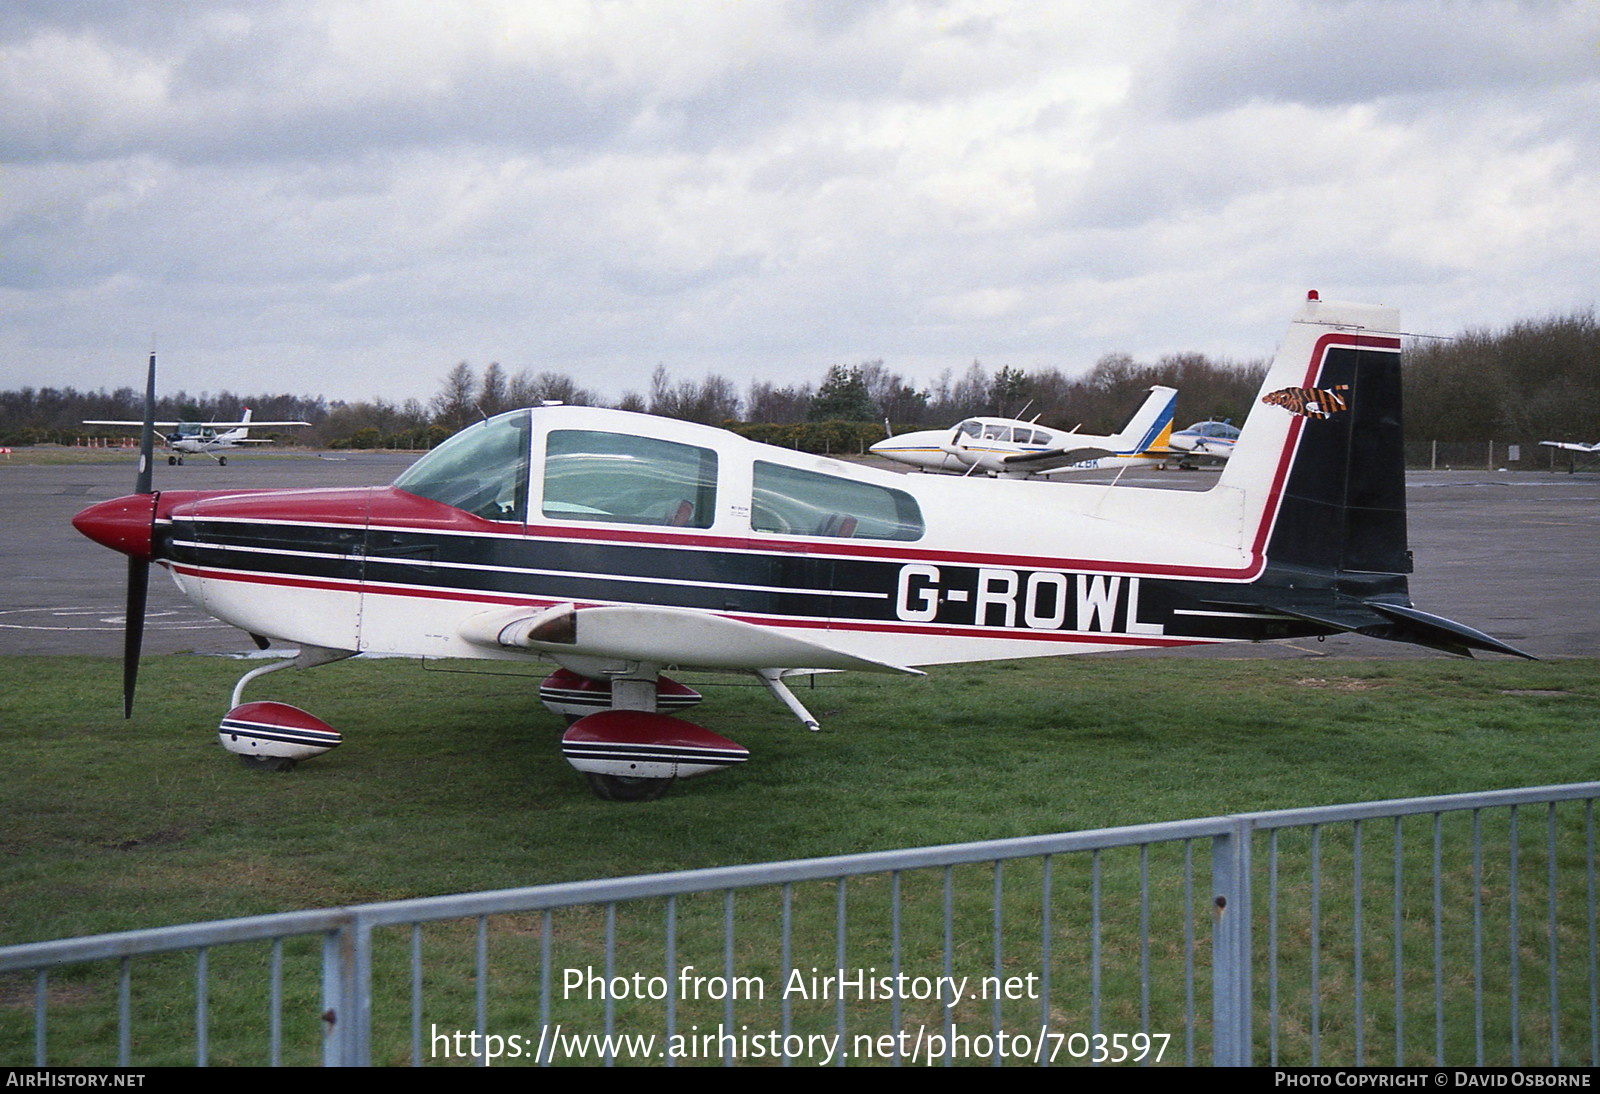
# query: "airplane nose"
x,y
122,524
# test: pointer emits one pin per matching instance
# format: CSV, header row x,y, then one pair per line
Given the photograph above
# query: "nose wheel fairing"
x,y
272,736
269,736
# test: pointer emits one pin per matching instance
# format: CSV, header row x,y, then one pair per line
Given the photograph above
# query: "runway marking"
x,y
109,621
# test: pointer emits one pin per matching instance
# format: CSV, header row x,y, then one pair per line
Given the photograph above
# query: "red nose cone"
x,y
122,524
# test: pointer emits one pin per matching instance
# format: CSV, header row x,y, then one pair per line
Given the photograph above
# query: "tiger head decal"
x,y
1309,402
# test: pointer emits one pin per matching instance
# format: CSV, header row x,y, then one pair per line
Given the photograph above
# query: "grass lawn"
x,y
451,781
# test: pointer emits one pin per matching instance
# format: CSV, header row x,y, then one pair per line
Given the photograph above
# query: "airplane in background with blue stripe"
x,y
1010,448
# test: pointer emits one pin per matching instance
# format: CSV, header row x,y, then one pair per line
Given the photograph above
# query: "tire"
x,y
266,763
621,788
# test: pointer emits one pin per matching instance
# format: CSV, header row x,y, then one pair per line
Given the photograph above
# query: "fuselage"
x,y
975,444
205,440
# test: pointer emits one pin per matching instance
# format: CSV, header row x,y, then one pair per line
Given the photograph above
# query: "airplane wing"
x,y
200,424
661,636
250,424
1055,457
1572,446
135,425
203,425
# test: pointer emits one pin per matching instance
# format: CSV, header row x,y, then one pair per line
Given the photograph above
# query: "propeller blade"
x,y
139,568
133,634
142,483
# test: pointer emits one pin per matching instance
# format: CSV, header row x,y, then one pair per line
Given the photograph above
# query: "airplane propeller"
x,y
139,568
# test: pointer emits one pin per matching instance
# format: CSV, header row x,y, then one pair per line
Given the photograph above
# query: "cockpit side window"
x,y
482,470
807,503
624,479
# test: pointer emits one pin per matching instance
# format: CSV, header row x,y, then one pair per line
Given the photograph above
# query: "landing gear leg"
x,y
780,691
309,657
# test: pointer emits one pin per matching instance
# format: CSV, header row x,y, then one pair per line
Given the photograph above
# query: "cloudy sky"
x,y
347,197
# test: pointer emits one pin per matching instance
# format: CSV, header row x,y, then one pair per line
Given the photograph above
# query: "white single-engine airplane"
x,y
1014,449
202,438
1204,442
617,546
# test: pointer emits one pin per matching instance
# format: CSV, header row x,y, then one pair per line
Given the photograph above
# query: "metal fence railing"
x,y
1451,930
1495,455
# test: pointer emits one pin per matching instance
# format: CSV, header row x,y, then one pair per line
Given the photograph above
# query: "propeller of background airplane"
x,y
139,568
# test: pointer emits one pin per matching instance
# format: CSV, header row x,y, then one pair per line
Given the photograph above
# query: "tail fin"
x,y
1148,425
1325,432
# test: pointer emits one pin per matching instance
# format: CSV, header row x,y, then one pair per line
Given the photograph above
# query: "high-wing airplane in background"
x,y
1204,442
618,546
1014,449
202,438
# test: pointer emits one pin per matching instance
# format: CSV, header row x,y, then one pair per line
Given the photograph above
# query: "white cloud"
x,y
349,196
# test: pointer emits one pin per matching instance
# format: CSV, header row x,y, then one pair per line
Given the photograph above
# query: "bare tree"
x,y
453,407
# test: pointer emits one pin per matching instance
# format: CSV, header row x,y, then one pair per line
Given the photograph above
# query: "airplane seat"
x,y
838,525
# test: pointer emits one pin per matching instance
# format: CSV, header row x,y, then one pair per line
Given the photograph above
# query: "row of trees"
x,y
1536,380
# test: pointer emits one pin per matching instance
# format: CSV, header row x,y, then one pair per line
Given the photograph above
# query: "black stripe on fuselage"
x,y
770,585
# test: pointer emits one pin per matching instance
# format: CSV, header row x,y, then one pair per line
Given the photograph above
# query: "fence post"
x,y
1230,946
346,1002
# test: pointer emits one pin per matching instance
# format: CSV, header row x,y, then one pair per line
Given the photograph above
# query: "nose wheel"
x,y
266,763
623,788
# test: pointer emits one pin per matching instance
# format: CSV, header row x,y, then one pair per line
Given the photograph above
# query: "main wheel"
x,y
222,461
624,788
172,461
266,763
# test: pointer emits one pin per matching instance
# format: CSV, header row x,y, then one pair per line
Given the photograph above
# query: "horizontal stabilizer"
x,y
1440,633
1399,623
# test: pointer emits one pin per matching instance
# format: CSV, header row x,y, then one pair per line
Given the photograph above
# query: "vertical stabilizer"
x,y
1322,450
1149,425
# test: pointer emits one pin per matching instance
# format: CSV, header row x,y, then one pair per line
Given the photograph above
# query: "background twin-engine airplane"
x,y
616,546
202,438
1010,448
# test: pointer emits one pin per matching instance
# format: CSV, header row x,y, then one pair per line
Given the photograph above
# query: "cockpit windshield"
x,y
482,470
